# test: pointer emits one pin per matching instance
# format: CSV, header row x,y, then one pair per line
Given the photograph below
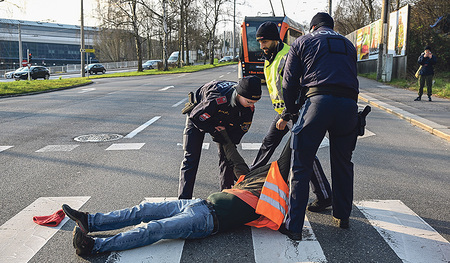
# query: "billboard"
x,y
368,38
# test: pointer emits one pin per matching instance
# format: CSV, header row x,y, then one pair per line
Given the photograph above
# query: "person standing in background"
x,y
426,73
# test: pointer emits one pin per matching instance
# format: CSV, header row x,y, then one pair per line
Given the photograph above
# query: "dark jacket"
x,y
427,65
214,109
322,62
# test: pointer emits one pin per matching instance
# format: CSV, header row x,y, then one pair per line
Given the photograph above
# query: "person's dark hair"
x,y
321,19
427,48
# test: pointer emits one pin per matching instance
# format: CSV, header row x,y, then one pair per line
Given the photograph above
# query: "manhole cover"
x,y
98,137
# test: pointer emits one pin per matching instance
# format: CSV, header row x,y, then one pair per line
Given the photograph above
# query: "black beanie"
x,y
249,87
321,19
268,30
427,48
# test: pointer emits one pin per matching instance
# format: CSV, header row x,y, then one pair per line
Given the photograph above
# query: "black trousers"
x,y
192,146
319,114
319,183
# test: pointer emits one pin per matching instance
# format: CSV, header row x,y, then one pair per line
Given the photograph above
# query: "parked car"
x,y
10,74
151,64
95,68
226,59
36,72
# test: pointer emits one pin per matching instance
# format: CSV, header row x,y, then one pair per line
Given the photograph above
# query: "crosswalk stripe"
x,y
250,146
3,148
162,251
21,238
272,246
412,239
58,148
125,146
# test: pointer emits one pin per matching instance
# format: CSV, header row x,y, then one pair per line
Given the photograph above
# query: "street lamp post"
x,y
82,40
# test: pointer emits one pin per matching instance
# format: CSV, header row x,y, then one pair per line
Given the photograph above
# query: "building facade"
x,y
50,44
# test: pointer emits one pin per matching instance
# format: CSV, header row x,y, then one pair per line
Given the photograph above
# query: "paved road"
x,y
401,183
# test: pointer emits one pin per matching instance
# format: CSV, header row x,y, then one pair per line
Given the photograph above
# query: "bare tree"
x,y
211,15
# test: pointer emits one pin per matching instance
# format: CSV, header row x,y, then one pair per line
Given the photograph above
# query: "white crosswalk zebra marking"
x,y
412,239
125,146
4,148
57,148
21,238
272,246
163,251
250,146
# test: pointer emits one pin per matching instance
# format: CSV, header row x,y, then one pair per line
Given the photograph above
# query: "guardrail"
x,y
74,68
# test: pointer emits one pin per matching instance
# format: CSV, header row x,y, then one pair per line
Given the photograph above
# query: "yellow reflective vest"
x,y
274,78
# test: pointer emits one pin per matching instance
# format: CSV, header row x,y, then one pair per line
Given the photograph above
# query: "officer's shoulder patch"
x,y
221,100
204,117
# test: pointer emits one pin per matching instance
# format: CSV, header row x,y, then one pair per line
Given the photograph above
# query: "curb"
x,y
427,125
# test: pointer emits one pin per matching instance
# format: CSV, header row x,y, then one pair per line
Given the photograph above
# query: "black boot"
x,y
82,243
417,99
429,98
80,218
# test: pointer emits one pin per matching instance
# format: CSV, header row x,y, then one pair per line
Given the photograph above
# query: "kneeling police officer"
x,y
216,106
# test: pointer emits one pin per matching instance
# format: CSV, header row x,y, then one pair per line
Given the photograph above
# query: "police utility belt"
x,y
192,102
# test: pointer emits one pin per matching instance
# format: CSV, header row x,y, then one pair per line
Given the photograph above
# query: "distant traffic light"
x,y
29,57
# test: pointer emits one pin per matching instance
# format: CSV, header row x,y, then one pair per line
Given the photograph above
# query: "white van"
x,y
174,57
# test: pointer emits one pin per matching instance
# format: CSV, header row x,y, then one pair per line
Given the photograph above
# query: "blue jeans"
x,y
186,219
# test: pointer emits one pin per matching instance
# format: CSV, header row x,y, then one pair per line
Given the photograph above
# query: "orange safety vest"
x,y
272,203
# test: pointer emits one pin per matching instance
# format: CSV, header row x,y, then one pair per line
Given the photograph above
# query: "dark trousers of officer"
x,y
322,113
319,183
192,146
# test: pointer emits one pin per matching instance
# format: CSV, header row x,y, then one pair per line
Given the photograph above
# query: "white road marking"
x,y
58,148
221,76
162,251
205,145
325,143
125,146
142,127
229,73
272,246
166,88
412,239
367,133
86,90
178,103
251,146
3,148
21,238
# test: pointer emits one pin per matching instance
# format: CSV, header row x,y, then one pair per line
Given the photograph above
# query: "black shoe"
x,y
342,223
429,98
82,243
292,235
417,99
319,205
79,217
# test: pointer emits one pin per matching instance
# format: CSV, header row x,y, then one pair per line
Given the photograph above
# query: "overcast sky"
x,y
68,11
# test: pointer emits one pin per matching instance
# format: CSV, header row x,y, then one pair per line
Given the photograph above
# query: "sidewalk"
x,y
433,117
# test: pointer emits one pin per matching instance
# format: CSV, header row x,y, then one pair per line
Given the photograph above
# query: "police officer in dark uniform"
x,y
322,65
275,53
219,105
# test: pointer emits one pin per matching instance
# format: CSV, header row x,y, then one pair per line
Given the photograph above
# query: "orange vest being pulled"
x,y
272,203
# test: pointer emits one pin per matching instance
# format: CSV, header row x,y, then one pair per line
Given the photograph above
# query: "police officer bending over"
x,y
323,65
217,105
